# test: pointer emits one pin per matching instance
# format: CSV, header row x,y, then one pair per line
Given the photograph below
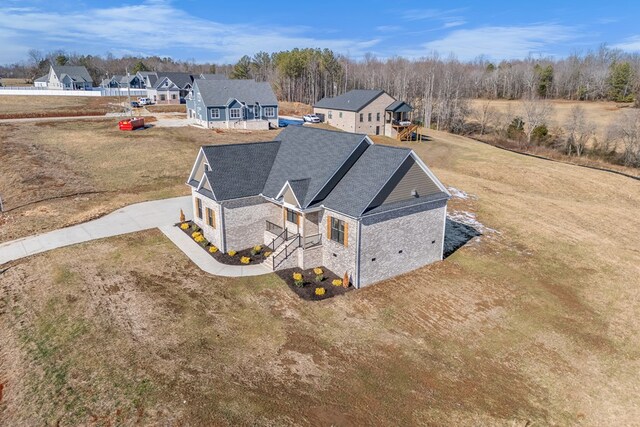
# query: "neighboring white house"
x,y
322,198
66,77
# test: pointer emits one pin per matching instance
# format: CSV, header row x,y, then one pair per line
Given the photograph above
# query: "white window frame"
x,y
215,113
232,113
270,111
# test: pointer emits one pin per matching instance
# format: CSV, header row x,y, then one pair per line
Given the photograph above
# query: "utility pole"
x,y
1,205
129,93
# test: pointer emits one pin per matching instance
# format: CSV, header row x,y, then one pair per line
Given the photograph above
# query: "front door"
x,y
377,130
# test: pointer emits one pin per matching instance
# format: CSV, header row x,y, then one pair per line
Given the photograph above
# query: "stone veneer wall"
x,y
213,235
336,257
416,231
244,221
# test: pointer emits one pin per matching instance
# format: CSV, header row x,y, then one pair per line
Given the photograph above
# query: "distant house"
x,y
373,112
41,81
232,104
322,198
120,81
67,77
166,87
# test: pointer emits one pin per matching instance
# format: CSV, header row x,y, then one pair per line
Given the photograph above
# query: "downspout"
x,y
444,229
358,242
223,231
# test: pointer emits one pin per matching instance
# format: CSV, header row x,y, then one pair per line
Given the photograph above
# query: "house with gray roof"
x,y
123,82
373,112
317,197
232,104
67,77
166,87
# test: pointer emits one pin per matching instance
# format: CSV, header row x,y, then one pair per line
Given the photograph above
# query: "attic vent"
x,y
414,192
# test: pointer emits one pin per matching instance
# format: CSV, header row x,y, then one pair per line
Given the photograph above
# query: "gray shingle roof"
x,y
217,93
365,179
308,153
76,72
300,187
179,79
399,107
42,79
344,168
213,76
239,170
354,100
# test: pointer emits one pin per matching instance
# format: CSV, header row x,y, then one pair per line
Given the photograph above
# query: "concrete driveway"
x,y
132,218
161,214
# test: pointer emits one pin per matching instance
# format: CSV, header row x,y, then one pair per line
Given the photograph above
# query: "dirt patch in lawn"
x,y
308,289
182,108
16,107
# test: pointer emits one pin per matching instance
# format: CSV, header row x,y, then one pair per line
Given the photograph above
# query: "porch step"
x,y
270,260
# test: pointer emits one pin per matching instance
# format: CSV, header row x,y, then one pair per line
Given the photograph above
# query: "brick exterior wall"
x,y
345,256
377,106
244,221
347,122
213,235
411,230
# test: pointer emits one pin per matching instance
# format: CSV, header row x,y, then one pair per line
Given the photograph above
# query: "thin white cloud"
x,y
498,42
630,44
155,27
431,14
453,24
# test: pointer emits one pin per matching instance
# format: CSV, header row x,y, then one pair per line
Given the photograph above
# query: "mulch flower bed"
x,y
225,258
308,290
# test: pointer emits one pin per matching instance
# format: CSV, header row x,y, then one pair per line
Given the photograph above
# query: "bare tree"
x,y
484,114
535,112
578,132
627,130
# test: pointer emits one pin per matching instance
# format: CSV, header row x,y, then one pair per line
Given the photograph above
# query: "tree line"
x,y
437,87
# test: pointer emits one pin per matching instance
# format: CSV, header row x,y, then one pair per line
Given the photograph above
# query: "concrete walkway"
x,y
160,214
205,261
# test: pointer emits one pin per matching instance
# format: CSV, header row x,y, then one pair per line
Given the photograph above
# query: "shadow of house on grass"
x,y
456,235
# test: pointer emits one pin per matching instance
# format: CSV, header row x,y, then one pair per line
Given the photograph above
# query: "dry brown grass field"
x,y
533,323
57,106
11,82
177,108
600,114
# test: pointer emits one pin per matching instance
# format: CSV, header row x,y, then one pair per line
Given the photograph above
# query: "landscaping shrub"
x,y
245,260
184,226
319,274
199,238
298,280
256,250
195,228
320,291
267,254
213,249
232,253
196,234
336,282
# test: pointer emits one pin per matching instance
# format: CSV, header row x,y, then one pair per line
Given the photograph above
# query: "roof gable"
x,y
313,154
399,107
239,170
75,72
354,100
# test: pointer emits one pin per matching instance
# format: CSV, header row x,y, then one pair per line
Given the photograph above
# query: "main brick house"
x,y
319,197
232,104
373,112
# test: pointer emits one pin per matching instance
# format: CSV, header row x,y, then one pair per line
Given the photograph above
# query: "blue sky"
x,y
222,31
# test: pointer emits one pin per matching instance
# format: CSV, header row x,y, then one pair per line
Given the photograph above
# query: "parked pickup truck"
x,y
144,101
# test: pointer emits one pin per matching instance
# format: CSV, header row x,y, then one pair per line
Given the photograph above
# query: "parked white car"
x,y
311,118
144,101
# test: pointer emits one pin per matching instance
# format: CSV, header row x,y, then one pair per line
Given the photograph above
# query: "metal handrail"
x,y
284,235
311,241
271,226
287,251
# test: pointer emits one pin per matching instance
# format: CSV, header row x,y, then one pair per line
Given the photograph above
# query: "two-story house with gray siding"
x,y
373,112
322,198
232,104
